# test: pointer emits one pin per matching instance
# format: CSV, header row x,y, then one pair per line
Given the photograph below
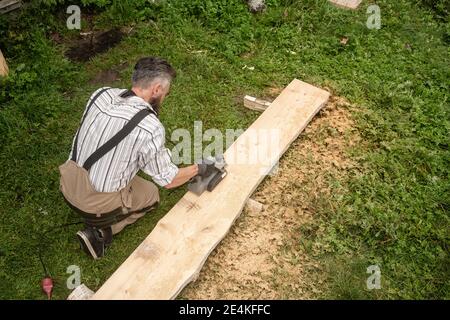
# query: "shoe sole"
x,y
86,244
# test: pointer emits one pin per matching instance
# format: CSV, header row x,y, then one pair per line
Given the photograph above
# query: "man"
x,y
113,182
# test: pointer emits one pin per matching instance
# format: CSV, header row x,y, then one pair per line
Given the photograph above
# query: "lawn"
x,y
394,215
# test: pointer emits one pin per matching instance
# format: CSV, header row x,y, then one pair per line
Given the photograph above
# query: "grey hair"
x,y
151,69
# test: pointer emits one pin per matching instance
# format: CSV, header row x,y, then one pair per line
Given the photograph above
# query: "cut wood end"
x,y
4,70
81,293
254,206
256,104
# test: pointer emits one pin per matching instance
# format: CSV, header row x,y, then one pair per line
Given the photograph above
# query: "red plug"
x,y
47,286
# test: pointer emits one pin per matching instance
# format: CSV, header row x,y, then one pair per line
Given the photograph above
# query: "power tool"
x,y
215,173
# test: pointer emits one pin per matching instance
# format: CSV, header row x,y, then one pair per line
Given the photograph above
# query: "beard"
x,y
156,104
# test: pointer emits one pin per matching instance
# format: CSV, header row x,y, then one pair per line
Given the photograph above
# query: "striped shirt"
x,y
143,149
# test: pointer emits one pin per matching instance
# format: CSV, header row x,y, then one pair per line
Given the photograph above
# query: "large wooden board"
x,y
175,251
347,4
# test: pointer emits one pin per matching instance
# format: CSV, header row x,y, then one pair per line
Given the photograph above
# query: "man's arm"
x,y
155,160
183,176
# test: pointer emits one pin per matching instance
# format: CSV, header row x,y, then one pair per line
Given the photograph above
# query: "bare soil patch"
x,y
92,43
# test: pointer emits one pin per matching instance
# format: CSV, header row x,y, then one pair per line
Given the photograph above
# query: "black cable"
x,y
41,243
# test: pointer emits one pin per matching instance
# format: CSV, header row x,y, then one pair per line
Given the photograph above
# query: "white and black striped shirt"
x,y
143,149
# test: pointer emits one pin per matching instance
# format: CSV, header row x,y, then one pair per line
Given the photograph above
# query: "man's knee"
x,y
154,192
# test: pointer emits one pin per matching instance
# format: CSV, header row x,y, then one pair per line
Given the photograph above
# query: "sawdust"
x,y
261,257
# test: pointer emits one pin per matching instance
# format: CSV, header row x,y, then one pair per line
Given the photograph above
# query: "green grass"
x,y
395,214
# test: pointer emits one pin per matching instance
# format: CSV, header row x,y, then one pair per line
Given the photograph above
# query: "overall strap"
x,y
75,145
116,139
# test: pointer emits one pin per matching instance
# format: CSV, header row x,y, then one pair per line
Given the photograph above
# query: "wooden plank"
x,y
256,104
347,4
9,5
175,251
4,70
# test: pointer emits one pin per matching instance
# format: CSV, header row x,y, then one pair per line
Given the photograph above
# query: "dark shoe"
x,y
92,242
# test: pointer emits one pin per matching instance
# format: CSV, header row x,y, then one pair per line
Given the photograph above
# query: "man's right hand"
x,y
183,176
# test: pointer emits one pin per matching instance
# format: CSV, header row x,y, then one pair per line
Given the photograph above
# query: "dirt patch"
x,y
89,44
262,257
272,92
106,77
109,77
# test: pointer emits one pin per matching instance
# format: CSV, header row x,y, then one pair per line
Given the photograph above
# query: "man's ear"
x,y
157,90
